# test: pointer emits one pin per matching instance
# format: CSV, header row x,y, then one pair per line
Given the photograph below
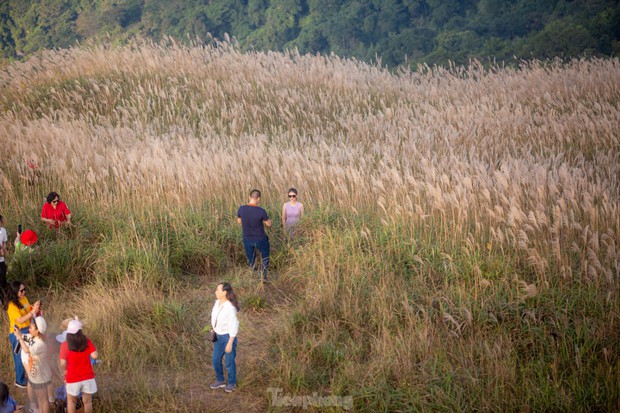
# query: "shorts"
x,y
39,386
86,386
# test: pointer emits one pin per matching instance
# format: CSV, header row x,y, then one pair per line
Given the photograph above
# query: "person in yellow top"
x,y
20,314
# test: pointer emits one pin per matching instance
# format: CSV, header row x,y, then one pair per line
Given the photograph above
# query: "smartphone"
x,y
19,228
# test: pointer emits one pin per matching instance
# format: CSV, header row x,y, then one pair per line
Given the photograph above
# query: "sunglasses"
x,y
292,196
55,201
23,290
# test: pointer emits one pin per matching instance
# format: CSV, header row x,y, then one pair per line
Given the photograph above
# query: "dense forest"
x,y
393,32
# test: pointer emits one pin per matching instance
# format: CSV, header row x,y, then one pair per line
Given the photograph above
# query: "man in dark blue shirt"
x,y
253,220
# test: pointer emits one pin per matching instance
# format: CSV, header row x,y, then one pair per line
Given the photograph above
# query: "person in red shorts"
x,y
55,212
75,363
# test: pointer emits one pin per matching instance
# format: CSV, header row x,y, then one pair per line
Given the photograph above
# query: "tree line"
x,y
394,32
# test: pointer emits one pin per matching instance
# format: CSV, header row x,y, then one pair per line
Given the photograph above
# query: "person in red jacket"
x,y
55,212
75,362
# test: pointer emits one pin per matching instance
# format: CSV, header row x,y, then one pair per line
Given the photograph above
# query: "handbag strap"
x,y
218,314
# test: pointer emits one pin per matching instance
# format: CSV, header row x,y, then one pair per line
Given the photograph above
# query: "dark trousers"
x,y
3,284
251,246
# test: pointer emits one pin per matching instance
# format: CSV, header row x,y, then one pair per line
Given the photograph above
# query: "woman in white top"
x,y
36,363
3,239
226,325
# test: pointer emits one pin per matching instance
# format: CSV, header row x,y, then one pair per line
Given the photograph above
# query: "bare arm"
x,y
267,223
24,318
239,220
31,314
63,368
228,348
20,338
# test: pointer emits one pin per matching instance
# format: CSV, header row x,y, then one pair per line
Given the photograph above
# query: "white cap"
x,y
74,327
40,324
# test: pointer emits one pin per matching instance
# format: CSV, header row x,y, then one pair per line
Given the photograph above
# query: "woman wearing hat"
x,y
55,212
36,362
20,314
75,355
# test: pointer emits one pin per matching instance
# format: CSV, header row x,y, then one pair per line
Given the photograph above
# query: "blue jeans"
x,y
250,251
219,352
20,371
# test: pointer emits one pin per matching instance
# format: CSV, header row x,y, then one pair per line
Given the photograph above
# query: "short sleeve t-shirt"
x,y
40,372
3,239
79,367
15,313
252,218
58,214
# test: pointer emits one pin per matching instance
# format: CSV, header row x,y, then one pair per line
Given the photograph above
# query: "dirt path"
x,y
192,394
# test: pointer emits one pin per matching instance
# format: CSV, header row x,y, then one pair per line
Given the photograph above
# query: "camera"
x,y
19,228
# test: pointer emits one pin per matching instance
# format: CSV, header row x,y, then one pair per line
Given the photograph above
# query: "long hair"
x,y
4,394
77,342
230,295
13,293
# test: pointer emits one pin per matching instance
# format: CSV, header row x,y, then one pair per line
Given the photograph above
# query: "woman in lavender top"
x,y
291,212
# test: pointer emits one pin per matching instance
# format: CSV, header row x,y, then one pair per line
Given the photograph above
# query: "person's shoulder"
x,y
38,345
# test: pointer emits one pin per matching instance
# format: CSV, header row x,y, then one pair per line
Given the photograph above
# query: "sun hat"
x,y
62,337
74,327
41,324
29,237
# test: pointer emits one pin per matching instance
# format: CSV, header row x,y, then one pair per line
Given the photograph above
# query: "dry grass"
x,y
450,208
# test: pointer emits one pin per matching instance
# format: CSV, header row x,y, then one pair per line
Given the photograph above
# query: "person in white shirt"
x,y
37,364
3,239
226,326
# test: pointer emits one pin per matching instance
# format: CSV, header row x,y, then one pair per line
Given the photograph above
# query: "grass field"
x,y
460,250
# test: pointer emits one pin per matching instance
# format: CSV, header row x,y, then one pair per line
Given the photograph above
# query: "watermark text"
x,y
278,399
